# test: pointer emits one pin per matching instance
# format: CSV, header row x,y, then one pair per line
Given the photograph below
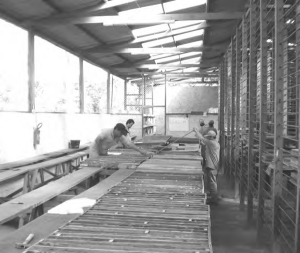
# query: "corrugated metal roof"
x,y
116,42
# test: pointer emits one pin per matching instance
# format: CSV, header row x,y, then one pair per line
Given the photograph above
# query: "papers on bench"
x,y
73,206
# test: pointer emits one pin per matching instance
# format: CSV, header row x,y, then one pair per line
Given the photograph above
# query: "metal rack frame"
x,y
259,119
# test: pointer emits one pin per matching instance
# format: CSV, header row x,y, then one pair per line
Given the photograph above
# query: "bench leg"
x,y
21,221
36,212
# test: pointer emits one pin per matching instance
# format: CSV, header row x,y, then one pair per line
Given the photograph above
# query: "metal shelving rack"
x,y
259,117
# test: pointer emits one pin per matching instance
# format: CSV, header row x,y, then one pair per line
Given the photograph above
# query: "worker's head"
x,y
120,130
211,123
201,122
129,123
211,135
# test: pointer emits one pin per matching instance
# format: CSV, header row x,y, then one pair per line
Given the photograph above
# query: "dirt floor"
x,y
230,233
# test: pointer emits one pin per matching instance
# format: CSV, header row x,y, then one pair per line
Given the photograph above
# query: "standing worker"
x,y
202,145
211,168
129,124
209,128
110,137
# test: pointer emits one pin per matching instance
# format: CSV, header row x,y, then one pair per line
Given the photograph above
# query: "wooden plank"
x,y
15,172
164,50
9,210
40,158
124,220
178,157
48,223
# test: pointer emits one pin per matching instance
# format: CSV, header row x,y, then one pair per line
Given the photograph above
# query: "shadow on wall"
x,y
189,99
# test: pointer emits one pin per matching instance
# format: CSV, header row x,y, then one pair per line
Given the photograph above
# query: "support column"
x,y
297,220
252,111
221,113
125,94
233,112
31,73
81,85
108,91
165,104
225,133
262,113
237,108
244,109
278,138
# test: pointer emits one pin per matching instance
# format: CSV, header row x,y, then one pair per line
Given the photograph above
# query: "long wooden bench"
x,y
27,202
41,158
48,223
35,175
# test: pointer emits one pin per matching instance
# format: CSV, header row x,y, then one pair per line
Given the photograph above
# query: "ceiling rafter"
x,y
150,38
194,74
102,5
117,20
162,66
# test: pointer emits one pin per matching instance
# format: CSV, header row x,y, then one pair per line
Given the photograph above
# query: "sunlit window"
x,y
56,78
13,68
95,89
117,94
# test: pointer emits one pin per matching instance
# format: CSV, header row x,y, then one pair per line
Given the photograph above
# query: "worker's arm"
x,y
130,144
199,135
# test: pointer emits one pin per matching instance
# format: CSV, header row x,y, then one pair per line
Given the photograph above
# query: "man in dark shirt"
x,y
209,128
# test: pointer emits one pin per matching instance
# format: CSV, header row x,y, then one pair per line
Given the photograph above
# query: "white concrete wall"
x,y
16,131
193,122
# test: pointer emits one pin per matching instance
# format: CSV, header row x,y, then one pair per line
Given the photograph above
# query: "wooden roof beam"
x,y
117,20
161,66
174,75
157,50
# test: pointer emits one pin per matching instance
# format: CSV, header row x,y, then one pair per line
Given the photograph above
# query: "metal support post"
x,y
252,111
237,104
297,220
244,109
81,85
108,91
233,92
221,114
262,113
31,73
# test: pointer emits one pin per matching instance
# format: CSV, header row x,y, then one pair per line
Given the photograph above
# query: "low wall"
x,y
16,131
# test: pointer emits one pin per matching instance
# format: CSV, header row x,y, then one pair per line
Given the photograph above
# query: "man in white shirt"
x,y
110,137
211,167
